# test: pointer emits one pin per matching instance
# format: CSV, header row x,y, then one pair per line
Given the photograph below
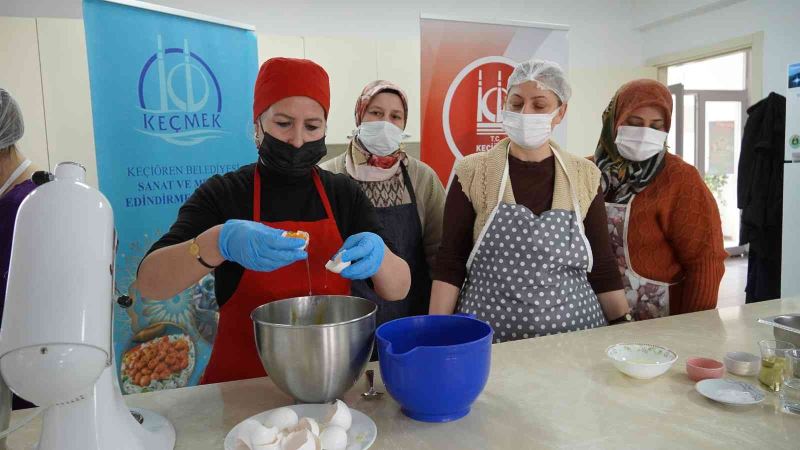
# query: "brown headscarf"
x,y
621,178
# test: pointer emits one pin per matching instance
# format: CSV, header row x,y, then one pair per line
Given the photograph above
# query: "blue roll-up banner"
x,y
171,104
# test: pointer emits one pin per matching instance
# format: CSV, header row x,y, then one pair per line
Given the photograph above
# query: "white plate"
x,y
363,430
730,392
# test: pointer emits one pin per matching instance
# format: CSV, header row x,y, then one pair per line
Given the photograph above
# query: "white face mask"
x,y
529,131
380,138
639,143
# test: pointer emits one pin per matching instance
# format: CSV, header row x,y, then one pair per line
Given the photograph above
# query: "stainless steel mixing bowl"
x,y
792,321
315,348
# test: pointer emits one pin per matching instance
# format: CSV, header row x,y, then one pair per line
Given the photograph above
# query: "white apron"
x,y
648,299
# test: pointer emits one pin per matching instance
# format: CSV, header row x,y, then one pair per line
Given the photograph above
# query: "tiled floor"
x,y
731,291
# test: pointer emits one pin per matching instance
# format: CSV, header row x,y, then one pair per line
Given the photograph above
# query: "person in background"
x,y
663,221
234,224
526,227
15,184
406,193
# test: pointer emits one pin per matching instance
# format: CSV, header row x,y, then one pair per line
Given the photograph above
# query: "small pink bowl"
x,y
700,369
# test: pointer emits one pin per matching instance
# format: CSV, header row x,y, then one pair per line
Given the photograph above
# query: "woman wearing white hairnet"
x,y
526,247
15,185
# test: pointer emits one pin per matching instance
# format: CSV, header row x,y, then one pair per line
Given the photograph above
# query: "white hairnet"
x,y
547,74
11,125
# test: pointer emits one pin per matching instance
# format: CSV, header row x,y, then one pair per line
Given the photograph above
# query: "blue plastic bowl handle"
x,y
471,316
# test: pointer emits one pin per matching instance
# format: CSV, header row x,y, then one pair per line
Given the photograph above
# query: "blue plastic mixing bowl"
x,y
435,366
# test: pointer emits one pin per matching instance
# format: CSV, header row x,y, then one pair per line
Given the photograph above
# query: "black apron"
x,y
402,227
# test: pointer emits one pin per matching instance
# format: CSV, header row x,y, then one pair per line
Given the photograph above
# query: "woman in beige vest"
x,y
526,247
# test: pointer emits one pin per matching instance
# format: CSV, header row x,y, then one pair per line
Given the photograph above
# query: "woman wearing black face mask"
x,y
235,224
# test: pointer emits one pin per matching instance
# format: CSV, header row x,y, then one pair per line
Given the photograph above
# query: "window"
x,y
710,103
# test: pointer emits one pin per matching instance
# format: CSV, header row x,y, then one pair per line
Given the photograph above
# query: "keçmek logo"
x,y
180,97
472,114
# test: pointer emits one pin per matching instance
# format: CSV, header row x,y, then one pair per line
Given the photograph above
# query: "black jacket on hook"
x,y
760,195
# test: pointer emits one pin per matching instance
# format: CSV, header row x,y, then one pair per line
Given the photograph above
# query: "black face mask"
x,y
286,159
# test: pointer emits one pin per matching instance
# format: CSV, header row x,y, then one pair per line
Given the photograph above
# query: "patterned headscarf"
x,y
375,88
621,178
358,153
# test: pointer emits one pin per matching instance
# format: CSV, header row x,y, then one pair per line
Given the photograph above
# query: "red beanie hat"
x,y
280,78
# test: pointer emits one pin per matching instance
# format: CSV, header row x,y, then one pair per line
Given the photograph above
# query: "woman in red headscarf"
x,y
664,223
235,224
406,193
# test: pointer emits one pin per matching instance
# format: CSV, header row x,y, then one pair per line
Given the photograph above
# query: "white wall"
x,y
20,74
67,102
647,13
777,19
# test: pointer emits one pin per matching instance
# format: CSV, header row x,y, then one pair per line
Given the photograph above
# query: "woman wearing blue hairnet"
x,y
15,185
526,247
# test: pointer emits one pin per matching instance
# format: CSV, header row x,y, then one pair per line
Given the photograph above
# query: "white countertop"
x,y
551,392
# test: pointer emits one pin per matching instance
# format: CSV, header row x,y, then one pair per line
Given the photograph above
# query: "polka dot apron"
x,y
648,299
526,275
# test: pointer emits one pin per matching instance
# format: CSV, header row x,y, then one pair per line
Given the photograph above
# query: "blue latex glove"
x,y
365,251
258,247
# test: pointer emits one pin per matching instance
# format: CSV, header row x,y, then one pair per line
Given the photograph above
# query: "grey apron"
x,y
402,227
526,275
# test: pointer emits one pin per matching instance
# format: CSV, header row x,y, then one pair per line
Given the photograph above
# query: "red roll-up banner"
x,y
465,70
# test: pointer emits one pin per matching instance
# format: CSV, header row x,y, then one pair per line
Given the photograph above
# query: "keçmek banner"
x,y
465,70
171,98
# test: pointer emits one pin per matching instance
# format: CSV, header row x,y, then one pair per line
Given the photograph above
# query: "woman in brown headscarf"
x,y
664,223
406,193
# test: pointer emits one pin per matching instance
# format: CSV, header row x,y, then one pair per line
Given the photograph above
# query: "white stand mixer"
x,y
55,342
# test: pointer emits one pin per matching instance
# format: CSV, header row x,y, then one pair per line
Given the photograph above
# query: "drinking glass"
x,y
773,363
790,390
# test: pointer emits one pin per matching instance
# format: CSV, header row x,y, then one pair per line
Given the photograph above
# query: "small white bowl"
x,y
743,364
642,361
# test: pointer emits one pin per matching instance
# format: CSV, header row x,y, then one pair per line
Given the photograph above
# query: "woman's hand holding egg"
x,y
258,247
365,252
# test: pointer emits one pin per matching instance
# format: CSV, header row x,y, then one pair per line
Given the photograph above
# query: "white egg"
x,y
242,444
339,415
281,418
298,235
244,432
333,438
300,440
336,265
307,423
264,436
273,446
